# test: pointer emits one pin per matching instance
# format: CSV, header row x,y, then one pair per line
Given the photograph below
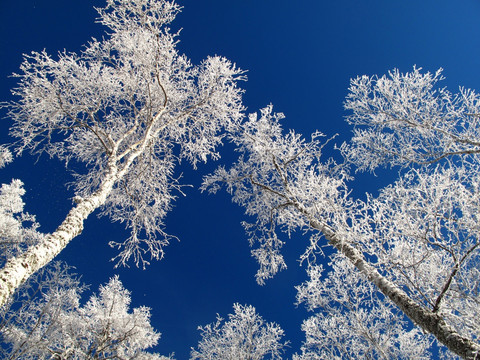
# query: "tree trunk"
x,y
18,269
425,318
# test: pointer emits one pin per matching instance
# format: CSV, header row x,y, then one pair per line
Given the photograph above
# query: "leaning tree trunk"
x,y
18,269
426,319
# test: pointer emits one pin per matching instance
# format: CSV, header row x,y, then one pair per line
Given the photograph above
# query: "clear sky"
x,y
299,56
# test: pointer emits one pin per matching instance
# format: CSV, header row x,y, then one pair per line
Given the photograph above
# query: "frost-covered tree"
x,y
5,156
244,336
122,113
46,320
417,242
21,310
18,230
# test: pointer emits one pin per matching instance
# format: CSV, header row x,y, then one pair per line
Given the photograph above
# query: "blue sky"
x,y
300,57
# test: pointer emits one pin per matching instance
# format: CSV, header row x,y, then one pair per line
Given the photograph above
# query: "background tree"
x,y
45,319
245,336
18,230
121,114
17,313
417,242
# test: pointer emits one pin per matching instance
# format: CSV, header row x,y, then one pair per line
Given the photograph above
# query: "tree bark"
x,y
18,269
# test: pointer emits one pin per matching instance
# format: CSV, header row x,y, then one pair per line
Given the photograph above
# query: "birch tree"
x,y
122,114
244,336
47,320
352,320
417,242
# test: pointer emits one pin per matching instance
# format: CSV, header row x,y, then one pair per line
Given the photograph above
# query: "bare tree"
x,y
124,111
417,242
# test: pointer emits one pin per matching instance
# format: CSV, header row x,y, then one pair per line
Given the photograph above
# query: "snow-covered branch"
x,y
401,119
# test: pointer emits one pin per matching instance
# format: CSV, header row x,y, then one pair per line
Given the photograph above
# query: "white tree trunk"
x,y
18,269
425,318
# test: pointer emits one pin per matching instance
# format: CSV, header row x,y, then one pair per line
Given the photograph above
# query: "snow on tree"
x,y
417,242
46,320
29,307
244,336
18,230
122,113
14,234
5,156
402,119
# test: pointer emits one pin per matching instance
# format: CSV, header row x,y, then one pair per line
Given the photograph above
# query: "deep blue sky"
x,y
300,57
